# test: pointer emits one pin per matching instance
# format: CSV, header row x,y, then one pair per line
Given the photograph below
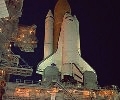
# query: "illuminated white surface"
x,y
48,42
3,9
77,30
68,51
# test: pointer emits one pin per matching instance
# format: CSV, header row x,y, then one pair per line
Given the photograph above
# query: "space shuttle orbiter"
x,y
62,44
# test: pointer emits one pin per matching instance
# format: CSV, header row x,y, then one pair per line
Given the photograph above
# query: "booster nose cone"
x,y
61,8
49,14
67,15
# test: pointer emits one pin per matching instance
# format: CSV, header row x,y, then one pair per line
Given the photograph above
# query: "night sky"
x,y
99,32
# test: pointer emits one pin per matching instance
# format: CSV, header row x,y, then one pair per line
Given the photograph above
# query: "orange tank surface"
x,y
61,8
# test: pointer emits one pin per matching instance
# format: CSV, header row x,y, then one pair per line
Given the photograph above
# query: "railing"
x,y
68,93
18,71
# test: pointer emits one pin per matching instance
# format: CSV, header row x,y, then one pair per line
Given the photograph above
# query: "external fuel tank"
x,y
61,8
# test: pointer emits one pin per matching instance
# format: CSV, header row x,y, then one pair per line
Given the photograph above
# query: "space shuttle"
x,y
62,44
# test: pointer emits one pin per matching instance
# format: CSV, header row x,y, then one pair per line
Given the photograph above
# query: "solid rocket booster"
x,y
70,45
48,43
77,30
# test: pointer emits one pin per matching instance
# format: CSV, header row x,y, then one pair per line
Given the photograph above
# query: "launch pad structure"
x,y
65,74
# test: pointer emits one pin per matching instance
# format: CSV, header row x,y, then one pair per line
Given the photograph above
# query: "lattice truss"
x,y
26,39
11,32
